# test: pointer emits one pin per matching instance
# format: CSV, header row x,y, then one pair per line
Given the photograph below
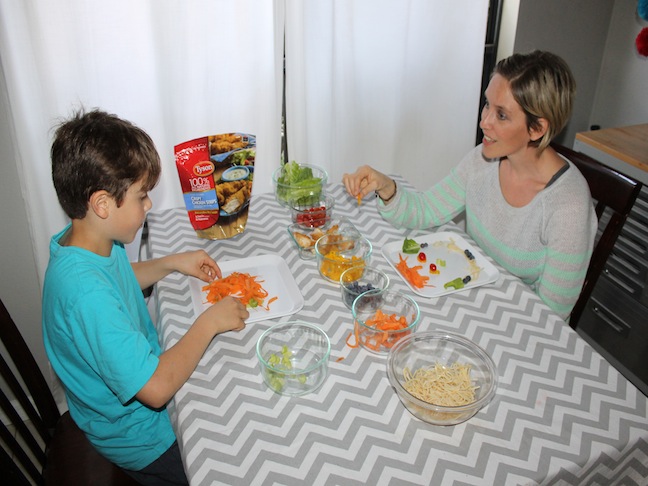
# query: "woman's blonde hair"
x,y
543,85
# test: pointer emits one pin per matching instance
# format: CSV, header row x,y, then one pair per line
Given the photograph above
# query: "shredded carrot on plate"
x,y
243,286
411,274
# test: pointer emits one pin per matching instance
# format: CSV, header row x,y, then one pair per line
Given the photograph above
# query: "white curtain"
x,y
391,83
178,69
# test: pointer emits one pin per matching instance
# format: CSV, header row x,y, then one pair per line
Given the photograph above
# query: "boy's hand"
x,y
228,314
197,264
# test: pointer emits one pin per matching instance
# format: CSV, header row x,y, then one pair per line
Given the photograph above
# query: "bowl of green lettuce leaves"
x,y
299,184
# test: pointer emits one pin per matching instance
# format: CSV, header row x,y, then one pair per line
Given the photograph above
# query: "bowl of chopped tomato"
x,y
339,252
381,318
315,214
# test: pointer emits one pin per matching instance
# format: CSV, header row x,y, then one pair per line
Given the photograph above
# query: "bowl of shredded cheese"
x,y
440,377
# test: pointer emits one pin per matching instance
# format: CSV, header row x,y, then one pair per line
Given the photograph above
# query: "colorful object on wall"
x,y
642,42
642,39
642,9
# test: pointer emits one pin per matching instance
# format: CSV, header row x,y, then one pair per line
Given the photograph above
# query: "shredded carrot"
x,y
359,198
383,323
354,345
267,306
339,359
411,274
243,286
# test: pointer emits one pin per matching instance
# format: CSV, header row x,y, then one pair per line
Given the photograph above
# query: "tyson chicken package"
x,y
216,174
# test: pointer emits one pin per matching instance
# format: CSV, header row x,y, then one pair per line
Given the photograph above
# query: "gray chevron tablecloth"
x,y
562,414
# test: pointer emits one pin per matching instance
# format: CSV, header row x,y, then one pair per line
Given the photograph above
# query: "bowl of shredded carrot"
x,y
293,357
381,318
441,378
338,252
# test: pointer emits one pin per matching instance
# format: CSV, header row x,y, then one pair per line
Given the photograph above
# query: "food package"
x,y
216,174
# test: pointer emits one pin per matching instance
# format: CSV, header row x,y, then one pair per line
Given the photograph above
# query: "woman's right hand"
x,y
366,180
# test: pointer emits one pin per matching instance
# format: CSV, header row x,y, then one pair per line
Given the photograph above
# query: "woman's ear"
x,y
538,131
100,203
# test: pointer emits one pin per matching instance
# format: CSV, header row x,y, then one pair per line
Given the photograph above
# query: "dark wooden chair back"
x,y
46,447
610,190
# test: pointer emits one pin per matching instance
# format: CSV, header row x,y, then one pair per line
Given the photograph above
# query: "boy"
x,y
98,334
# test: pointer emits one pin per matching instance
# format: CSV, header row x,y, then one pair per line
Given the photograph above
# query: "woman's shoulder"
x,y
569,196
474,161
573,181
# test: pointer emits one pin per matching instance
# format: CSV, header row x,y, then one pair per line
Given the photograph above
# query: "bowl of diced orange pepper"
x,y
341,251
381,318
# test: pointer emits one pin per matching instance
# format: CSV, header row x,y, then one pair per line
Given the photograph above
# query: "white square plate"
x,y
275,277
457,264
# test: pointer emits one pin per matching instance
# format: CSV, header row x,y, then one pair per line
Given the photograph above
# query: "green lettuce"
x,y
298,186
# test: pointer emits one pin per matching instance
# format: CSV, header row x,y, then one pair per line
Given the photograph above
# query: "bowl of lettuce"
x,y
299,184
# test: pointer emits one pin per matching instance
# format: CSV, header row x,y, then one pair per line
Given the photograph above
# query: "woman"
x,y
526,206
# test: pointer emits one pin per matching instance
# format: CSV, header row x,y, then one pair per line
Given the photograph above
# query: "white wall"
x,y
621,95
576,30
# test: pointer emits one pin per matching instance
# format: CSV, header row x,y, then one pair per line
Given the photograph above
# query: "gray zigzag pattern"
x,y
551,417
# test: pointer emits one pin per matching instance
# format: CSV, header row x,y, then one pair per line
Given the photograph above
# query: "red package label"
x,y
216,174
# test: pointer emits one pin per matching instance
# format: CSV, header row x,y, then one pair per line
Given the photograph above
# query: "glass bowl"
x,y
357,280
424,351
383,317
293,357
305,238
339,252
308,190
314,215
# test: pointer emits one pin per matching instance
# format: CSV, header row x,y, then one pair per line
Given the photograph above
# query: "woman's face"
x,y
503,122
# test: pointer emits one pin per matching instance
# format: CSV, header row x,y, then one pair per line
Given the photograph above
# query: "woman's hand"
x,y
366,180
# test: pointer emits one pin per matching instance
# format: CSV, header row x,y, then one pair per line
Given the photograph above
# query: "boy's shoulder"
x,y
71,267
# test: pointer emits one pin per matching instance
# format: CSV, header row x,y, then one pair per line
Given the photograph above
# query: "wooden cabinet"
x,y
615,320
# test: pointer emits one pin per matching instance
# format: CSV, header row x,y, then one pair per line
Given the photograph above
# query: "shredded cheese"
x,y
448,386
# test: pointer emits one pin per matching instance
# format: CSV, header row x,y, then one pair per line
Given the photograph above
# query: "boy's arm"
x,y
178,362
194,263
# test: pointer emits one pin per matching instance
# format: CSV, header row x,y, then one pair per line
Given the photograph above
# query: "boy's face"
x,y
127,219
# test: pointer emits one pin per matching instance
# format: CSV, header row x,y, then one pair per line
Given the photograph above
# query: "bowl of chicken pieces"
x,y
304,238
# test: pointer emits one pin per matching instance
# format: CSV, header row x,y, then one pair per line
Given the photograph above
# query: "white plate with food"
x,y
448,263
271,272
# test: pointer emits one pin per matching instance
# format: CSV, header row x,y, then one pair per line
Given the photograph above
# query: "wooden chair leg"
x,y
71,459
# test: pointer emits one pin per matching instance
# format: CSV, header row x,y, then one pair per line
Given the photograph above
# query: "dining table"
x,y
561,413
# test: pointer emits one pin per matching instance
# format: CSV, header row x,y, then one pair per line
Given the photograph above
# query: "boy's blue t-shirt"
x,y
102,344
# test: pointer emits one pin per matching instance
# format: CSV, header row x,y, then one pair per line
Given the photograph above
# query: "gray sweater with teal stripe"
x,y
547,243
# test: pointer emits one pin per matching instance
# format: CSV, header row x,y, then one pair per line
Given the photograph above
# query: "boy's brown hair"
x,y
96,151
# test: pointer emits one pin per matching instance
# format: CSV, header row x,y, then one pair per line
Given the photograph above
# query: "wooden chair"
x,y
610,190
51,449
